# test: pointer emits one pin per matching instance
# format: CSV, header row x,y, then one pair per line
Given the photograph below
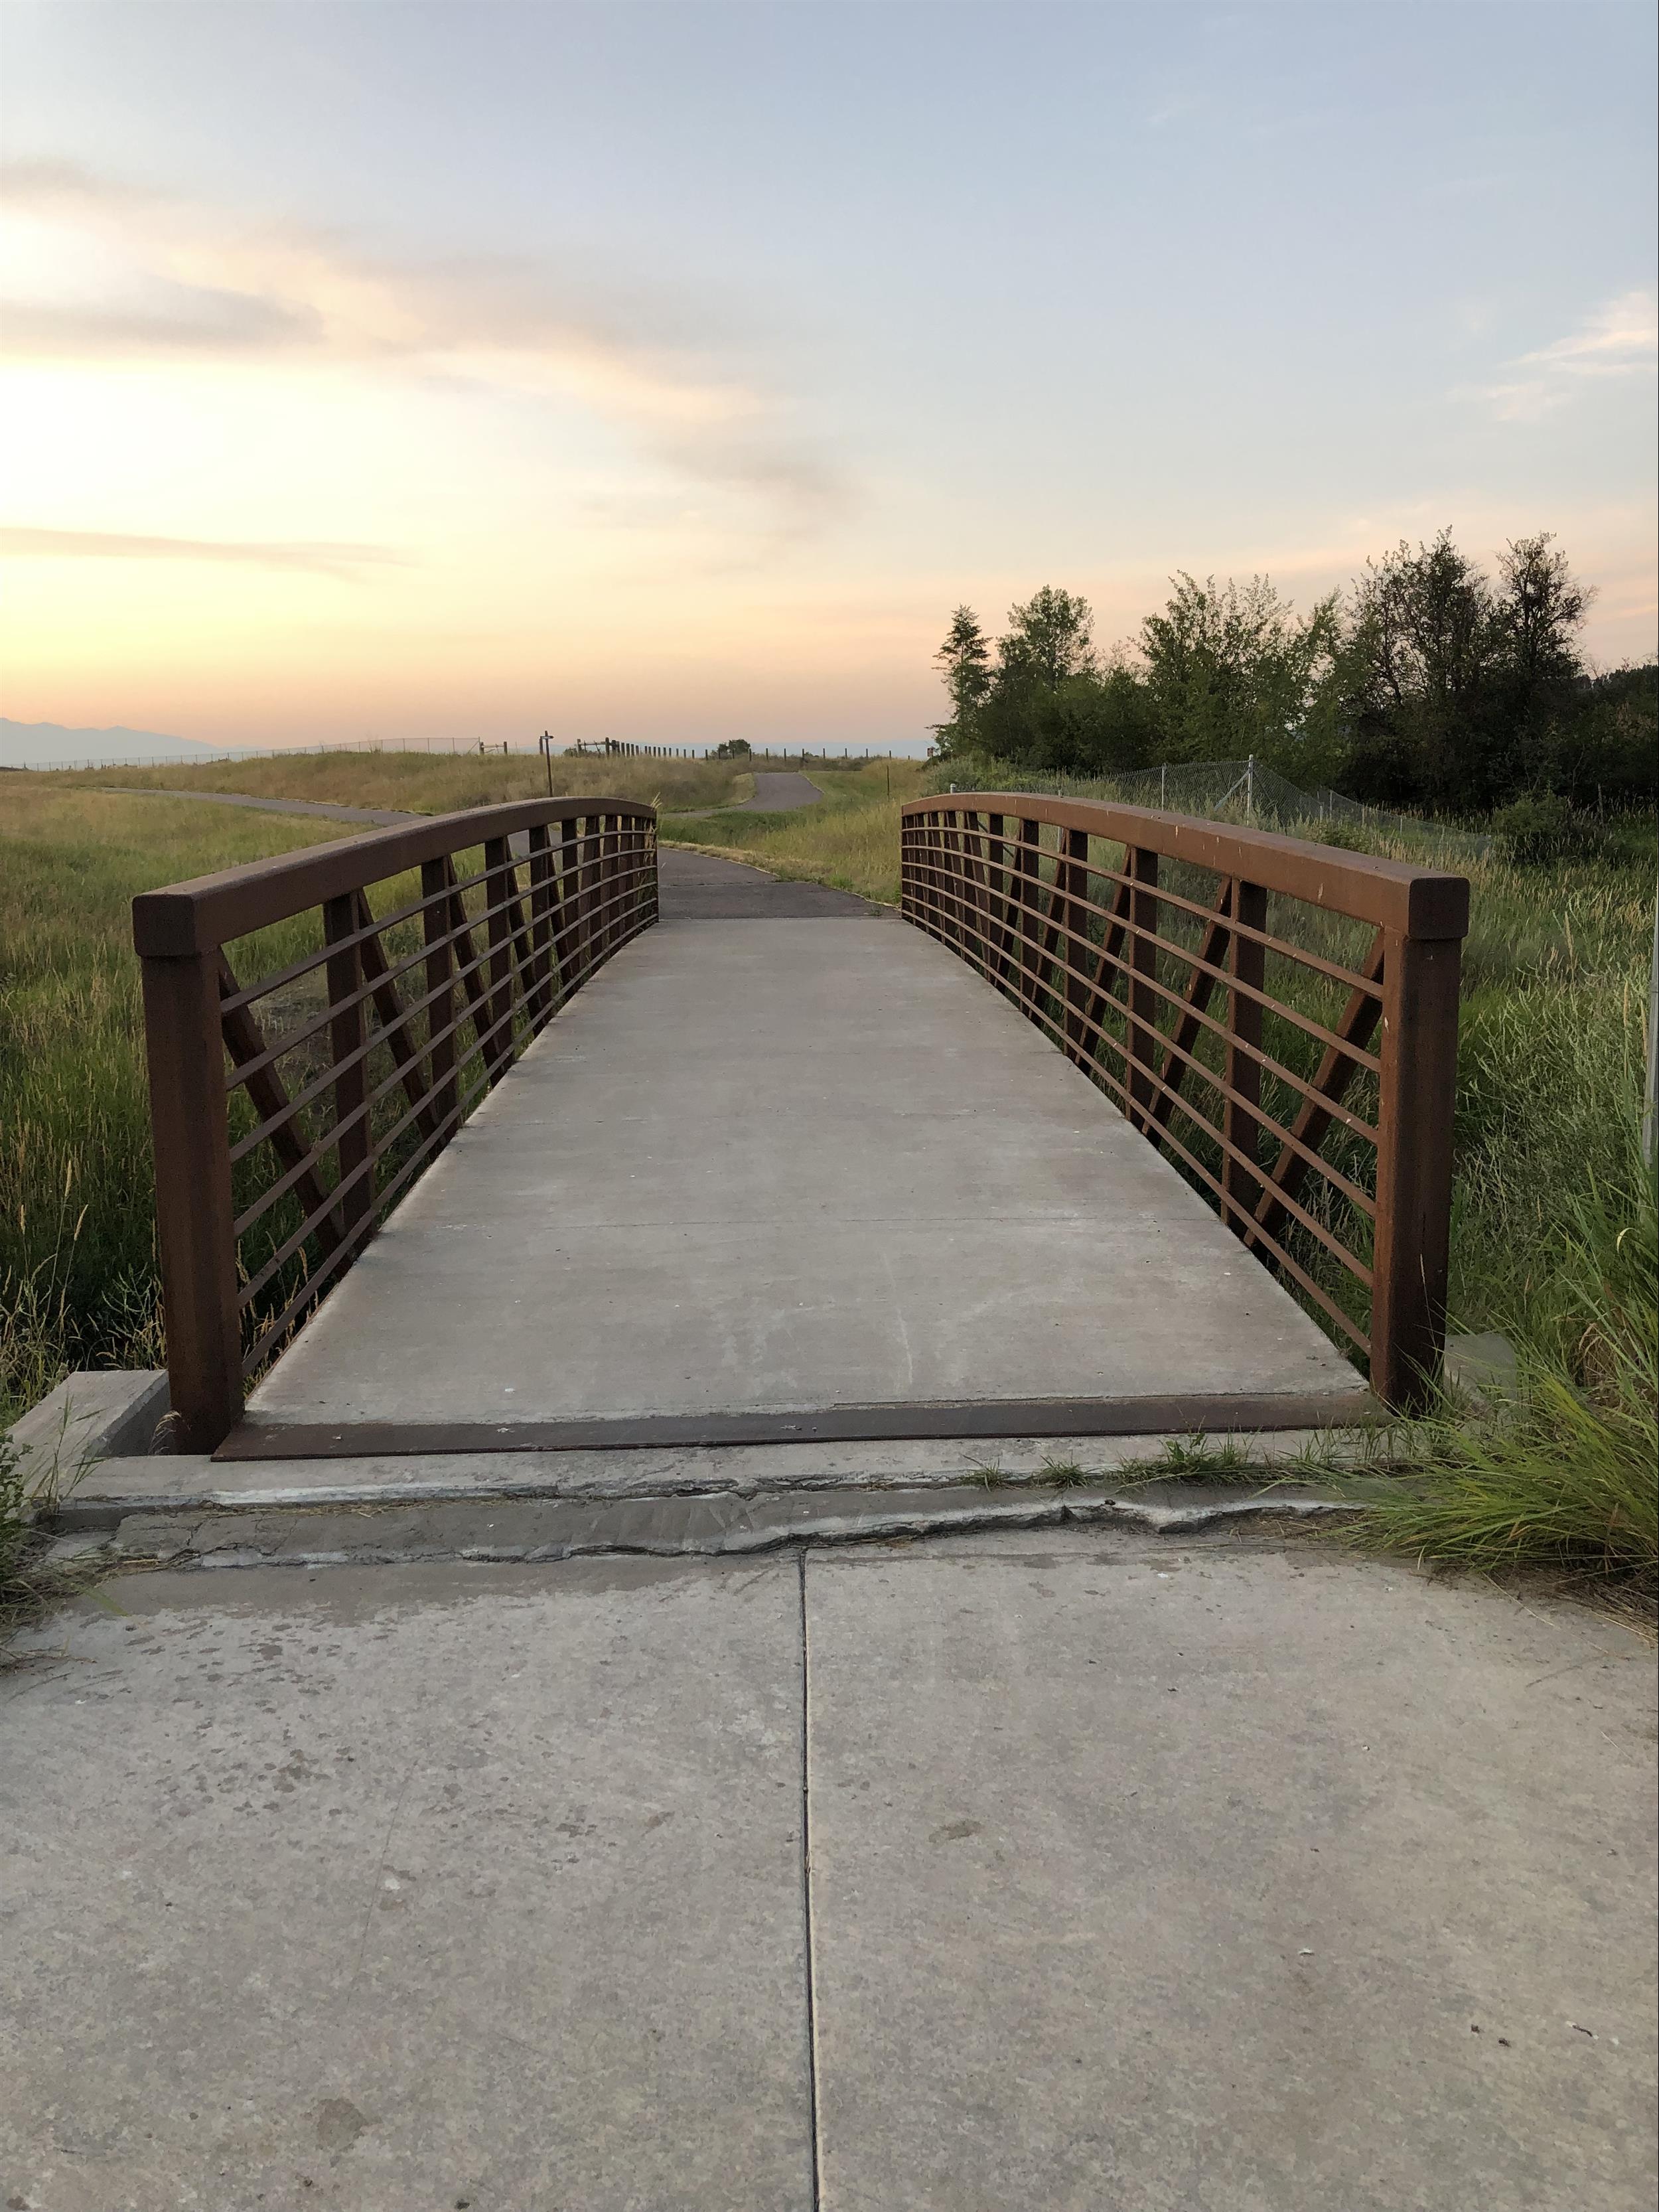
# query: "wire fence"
x,y
1246,791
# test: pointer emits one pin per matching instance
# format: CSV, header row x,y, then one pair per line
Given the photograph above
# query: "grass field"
x,y
1554,1241
433,783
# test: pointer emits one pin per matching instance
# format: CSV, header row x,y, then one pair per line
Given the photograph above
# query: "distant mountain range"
x,y
49,745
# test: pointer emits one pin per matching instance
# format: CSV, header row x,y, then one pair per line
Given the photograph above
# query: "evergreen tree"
x,y
965,660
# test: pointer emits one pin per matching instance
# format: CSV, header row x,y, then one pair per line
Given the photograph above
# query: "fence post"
x,y
191,1135
1419,1052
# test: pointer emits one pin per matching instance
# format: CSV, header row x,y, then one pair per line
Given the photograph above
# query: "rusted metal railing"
x,y
291,1112
1280,1018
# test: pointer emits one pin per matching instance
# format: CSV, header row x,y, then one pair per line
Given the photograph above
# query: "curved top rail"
x,y
210,910
1419,902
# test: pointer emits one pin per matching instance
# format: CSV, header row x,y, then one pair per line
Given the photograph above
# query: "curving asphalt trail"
x,y
776,791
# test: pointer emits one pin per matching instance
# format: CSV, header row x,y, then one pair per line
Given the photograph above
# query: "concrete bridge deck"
x,y
786,1171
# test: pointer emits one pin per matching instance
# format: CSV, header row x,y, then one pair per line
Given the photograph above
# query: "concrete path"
x,y
805,1181
1059,1871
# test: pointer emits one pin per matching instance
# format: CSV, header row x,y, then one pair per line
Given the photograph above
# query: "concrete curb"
x,y
195,1483
504,1532
93,1416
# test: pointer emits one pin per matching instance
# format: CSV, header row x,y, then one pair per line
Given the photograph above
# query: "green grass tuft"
x,y
1568,1476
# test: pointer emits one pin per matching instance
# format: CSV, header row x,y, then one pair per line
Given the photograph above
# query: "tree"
x,y
1542,606
1456,687
1438,684
733,749
965,659
1233,671
1049,638
1425,664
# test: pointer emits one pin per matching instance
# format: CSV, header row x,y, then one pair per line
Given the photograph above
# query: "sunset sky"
x,y
671,372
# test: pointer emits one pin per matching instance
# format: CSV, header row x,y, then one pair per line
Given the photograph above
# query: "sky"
x,y
670,372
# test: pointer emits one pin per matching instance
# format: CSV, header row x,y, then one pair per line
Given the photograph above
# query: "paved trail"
x,y
776,791
1017,1872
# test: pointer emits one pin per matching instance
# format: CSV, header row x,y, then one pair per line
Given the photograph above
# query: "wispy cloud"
x,y
1619,341
323,560
115,276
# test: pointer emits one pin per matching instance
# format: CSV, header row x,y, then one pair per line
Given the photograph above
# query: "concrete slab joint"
x,y
1059,1869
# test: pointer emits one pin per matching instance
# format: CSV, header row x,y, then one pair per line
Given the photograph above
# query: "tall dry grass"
x,y
77,1259
431,783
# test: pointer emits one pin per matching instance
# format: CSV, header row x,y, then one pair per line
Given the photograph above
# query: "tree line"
x,y
1431,683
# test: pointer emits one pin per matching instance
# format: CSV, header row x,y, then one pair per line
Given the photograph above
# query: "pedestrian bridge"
x,y
504,1134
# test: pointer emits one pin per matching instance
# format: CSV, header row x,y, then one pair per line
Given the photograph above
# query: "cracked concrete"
x,y
194,1482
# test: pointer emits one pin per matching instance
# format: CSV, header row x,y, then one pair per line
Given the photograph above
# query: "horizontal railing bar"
x,y
1348,976
324,1079
275,1193
327,1142
1230,1210
1269,1122
1390,894
1103,1037
308,1292
318,959
353,1237
211,910
383,1199
1195,960
1101,956
1230,1207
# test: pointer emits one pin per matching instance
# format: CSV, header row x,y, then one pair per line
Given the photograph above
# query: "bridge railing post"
x,y
1417,1095
191,1140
